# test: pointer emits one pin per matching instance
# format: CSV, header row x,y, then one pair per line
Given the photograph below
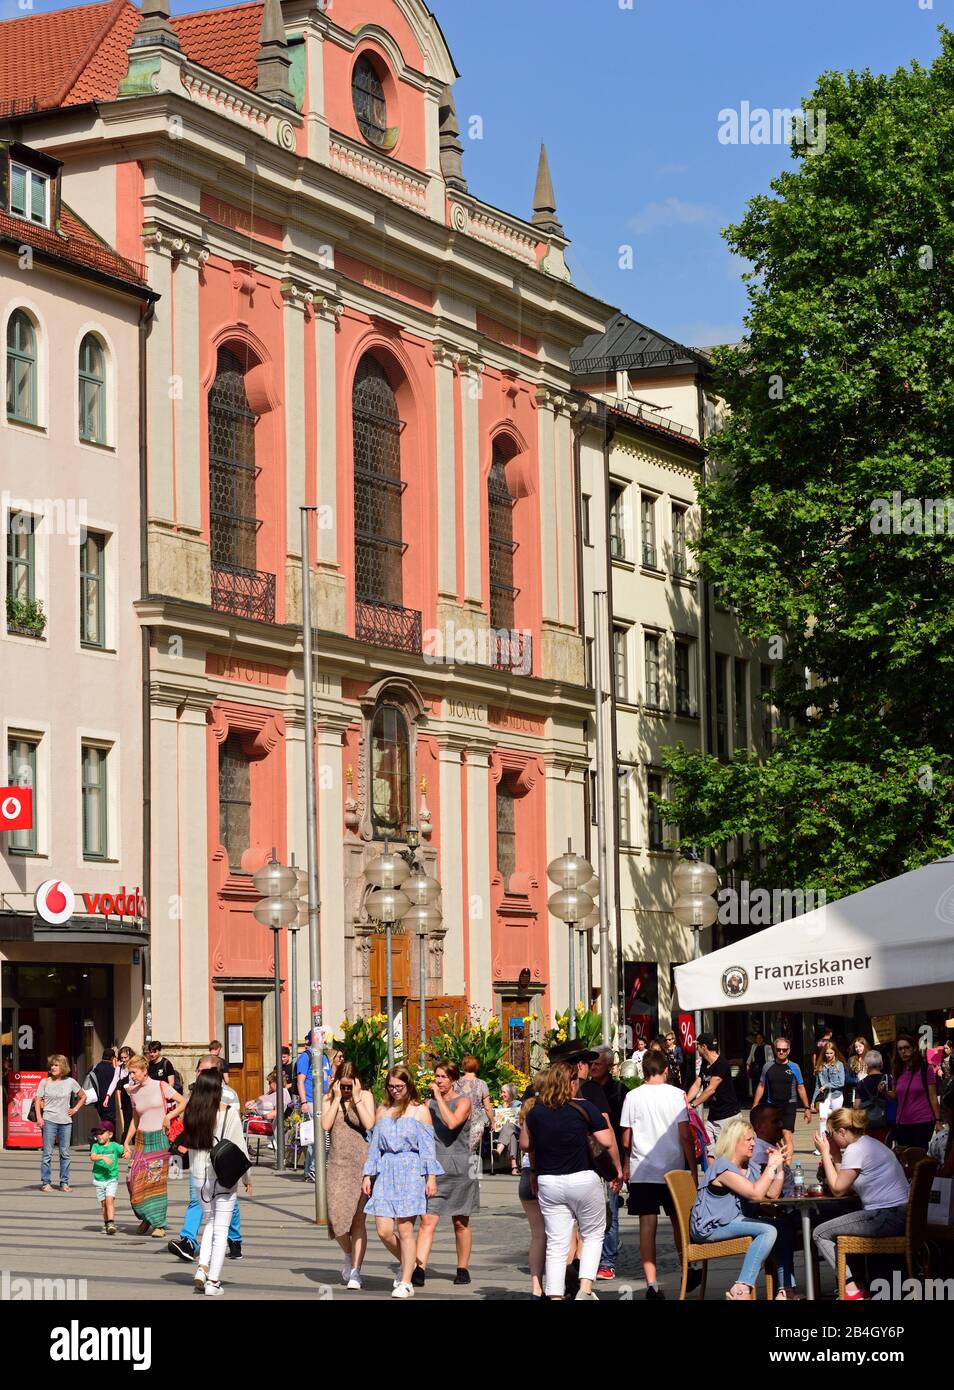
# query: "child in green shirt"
x,y
105,1153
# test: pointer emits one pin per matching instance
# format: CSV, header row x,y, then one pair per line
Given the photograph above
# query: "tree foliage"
x,y
841,394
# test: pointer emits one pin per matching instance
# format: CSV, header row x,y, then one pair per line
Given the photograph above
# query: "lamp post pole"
x,y
571,904
386,904
276,908
695,881
606,990
314,933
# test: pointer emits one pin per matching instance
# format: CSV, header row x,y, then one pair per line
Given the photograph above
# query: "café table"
x,y
805,1206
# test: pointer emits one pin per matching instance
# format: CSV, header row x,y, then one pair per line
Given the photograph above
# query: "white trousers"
x,y
563,1200
834,1100
217,1204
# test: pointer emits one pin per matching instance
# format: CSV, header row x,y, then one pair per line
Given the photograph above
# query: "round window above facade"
x,y
370,106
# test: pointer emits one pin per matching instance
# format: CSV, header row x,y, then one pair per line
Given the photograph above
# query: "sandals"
x,y
744,1297
788,1296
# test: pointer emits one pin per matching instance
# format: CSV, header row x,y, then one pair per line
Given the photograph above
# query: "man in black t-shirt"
x,y
782,1085
713,1086
160,1068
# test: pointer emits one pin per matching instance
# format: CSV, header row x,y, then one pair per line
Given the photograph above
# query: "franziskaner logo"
x,y
735,981
55,901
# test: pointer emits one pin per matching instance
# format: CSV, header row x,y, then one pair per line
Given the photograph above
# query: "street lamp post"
x,y
386,904
276,909
311,824
695,881
572,904
422,892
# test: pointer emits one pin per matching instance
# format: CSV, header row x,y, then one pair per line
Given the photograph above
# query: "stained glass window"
x,y
370,107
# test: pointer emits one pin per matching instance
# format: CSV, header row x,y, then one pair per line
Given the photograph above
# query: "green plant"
x,y
456,1040
589,1029
365,1043
25,614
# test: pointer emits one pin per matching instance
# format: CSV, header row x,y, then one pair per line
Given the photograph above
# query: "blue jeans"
x,y
763,1236
193,1218
53,1133
610,1252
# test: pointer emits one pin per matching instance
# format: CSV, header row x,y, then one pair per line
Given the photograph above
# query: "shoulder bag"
x,y
601,1160
229,1162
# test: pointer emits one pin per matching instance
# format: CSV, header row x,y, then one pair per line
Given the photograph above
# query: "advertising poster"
x,y
22,1088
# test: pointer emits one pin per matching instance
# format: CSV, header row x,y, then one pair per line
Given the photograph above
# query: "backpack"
x,y
229,1162
700,1137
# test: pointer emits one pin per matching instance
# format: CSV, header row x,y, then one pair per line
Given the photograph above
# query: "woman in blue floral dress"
x,y
401,1172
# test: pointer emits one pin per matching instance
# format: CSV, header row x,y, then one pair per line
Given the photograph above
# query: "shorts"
x,y
645,1199
524,1189
787,1113
105,1188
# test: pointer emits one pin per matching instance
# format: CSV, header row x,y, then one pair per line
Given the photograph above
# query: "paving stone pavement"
x,y
59,1235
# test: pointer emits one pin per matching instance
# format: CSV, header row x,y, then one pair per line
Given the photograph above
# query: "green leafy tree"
x,y
841,395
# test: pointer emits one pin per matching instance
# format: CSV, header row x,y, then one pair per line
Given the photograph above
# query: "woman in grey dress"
x,y
458,1192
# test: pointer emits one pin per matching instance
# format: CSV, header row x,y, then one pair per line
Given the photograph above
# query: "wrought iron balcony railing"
x,y
512,651
388,625
246,593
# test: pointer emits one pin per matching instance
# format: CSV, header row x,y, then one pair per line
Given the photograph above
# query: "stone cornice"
x,y
169,241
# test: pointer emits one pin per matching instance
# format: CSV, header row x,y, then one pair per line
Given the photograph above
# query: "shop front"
x,y
73,990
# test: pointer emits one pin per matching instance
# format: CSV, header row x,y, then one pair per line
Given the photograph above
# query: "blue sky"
x,y
628,101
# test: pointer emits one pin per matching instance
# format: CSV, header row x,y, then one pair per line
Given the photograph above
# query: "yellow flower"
x,y
561,1035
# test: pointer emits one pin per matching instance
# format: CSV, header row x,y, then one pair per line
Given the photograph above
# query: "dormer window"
x,y
29,194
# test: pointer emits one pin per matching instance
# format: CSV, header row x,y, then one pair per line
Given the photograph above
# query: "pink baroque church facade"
x,y
341,324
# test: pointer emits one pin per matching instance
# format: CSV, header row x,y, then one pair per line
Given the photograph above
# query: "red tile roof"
x,y
73,243
71,56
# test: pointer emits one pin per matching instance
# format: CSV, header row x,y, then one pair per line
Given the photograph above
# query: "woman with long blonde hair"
x,y
568,1188
718,1212
400,1172
829,1092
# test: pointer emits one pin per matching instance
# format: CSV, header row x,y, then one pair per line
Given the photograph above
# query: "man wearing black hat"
x,y
713,1086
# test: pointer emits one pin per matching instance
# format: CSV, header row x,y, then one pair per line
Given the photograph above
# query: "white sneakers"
x,y
213,1289
198,1282
402,1290
354,1281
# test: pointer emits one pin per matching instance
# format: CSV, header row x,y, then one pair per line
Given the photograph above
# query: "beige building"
x,y
675,669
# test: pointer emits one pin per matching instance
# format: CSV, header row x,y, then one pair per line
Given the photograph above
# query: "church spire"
x,y
451,148
544,199
272,61
155,26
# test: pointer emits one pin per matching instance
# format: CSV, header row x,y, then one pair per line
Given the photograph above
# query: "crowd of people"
x,y
574,1139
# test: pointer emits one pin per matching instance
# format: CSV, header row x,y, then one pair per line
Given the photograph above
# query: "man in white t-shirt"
x,y
657,1138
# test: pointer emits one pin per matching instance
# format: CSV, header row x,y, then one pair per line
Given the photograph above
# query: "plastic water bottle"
x,y
799,1181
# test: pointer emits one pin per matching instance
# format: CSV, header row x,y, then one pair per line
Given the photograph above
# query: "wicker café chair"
x,y
909,1158
913,1245
682,1190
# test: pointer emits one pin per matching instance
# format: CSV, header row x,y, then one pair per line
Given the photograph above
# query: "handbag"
x,y
229,1163
601,1160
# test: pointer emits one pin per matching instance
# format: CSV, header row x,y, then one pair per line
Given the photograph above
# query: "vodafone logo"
x,y
55,901
16,808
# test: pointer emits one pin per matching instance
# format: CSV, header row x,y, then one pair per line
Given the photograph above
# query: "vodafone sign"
x,y
55,902
16,808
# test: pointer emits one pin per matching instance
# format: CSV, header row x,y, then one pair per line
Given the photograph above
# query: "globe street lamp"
x,y
276,909
386,905
422,893
695,881
571,904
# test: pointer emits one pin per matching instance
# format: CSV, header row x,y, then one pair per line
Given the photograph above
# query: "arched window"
x,y
378,489
92,391
233,524
502,547
21,368
370,107
390,773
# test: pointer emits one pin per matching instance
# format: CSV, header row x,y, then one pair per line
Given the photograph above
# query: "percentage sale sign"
x,y
16,808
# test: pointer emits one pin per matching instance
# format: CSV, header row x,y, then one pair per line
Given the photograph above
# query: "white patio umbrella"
x,y
892,943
